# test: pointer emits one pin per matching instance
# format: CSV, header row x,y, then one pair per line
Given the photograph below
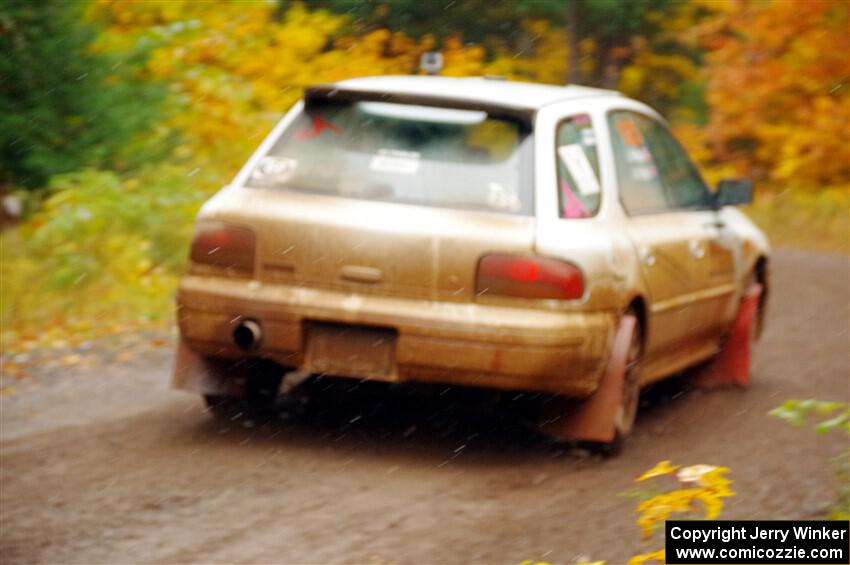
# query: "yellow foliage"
x,y
461,61
236,69
662,468
658,556
710,487
659,507
544,60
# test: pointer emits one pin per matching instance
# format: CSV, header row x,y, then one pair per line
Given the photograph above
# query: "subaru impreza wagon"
x,y
465,231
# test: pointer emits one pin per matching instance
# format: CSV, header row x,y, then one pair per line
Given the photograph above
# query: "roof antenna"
x,y
431,62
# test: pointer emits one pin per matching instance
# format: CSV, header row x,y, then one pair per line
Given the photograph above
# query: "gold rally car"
x,y
471,232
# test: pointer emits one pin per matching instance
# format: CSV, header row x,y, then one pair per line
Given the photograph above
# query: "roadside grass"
x,y
801,219
101,254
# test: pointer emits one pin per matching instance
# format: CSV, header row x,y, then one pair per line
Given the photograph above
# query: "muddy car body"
x,y
467,232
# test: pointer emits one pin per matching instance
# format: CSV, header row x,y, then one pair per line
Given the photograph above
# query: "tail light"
x,y
222,245
529,277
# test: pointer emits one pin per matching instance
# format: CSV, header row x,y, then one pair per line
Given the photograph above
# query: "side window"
x,y
682,181
641,188
579,192
653,170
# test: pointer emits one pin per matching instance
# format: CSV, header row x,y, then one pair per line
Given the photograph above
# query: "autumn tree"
x,y
61,105
639,46
778,91
476,20
234,69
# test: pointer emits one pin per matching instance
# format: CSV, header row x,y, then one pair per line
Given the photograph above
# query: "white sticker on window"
x,y
580,168
274,169
588,137
644,173
638,155
395,161
501,197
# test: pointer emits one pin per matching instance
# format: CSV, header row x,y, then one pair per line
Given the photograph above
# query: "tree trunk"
x,y
280,10
573,14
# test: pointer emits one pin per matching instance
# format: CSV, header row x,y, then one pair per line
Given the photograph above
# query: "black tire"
x,y
261,392
224,407
631,384
625,421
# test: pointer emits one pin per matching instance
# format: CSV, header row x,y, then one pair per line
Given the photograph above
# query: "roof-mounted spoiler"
x,y
323,93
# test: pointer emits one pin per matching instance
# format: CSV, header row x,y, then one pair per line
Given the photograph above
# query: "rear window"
x,y
403,153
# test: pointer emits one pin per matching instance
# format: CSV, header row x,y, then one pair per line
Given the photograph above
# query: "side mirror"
x,y
733,192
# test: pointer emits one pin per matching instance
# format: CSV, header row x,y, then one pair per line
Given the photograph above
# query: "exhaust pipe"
x,y
248,335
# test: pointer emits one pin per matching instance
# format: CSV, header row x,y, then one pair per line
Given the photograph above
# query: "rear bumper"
x,y
461,344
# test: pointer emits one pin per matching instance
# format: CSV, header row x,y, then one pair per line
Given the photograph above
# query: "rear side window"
x,y
404,153
653,171
578,168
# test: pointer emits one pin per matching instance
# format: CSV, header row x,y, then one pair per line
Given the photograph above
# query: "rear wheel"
x,y
624,422
261,391
627,413
555,407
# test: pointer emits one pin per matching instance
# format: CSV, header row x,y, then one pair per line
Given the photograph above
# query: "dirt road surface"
x,y
102,463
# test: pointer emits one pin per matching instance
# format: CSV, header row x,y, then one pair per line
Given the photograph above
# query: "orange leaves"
x,y
778,90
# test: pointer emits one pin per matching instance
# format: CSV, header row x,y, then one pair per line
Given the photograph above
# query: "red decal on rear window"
x,y
319,124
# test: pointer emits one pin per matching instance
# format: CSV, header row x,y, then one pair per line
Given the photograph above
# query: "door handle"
x,y
357,273
647,256
696,249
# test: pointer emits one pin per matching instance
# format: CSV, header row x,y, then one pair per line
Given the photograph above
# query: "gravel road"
x,y
102,463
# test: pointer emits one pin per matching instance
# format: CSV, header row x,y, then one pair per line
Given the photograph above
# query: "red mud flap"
x,y
196,373
594,419
732,364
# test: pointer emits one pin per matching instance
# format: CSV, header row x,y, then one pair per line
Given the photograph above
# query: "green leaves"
x,y
101,248
64,106
832,415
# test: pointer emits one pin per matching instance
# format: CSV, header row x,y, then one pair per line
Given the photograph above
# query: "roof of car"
x,y
484,90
